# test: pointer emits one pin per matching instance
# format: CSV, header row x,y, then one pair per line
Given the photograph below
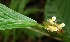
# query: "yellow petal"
x,y
53,18
50,21
59,27
52,28
62,25
55,29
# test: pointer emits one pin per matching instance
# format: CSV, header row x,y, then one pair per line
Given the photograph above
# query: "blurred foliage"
x,y
20,6
60,9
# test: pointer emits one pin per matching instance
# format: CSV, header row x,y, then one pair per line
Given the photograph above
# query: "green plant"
x,y
20,6
11,20
60,9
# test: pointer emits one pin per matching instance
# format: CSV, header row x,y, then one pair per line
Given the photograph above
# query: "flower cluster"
x,y
51,25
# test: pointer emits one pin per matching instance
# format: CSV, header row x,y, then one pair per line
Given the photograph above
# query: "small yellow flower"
x,y
50,21
55,29
52,28
51,25
60,26
53,18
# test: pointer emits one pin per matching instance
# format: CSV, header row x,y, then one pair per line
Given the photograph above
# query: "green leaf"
x,y
22,5
35,32
19,5
31,11
14,4
11,19
60,9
